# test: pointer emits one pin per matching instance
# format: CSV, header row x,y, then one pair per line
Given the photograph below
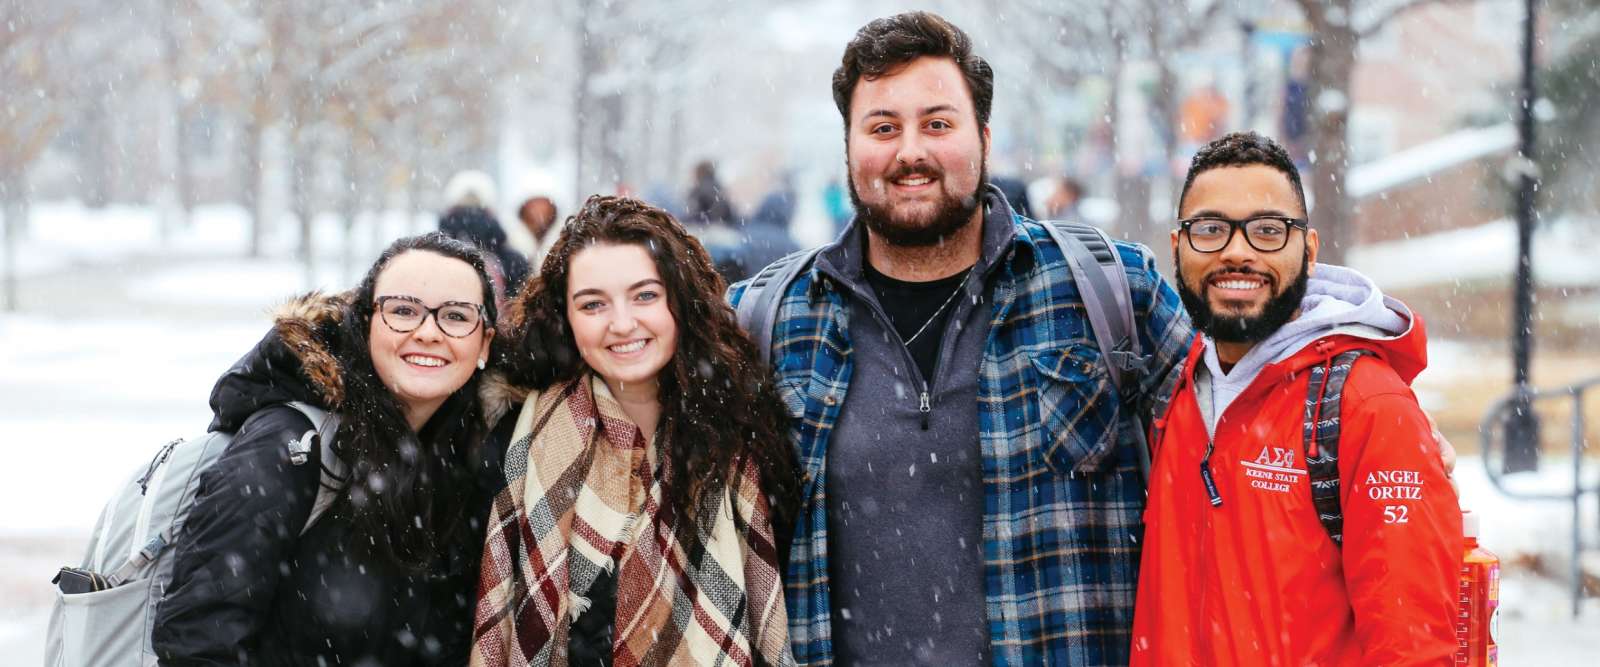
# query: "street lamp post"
x,y
1522,426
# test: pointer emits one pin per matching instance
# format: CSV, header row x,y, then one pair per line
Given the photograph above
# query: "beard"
x,y
1230,328
953,211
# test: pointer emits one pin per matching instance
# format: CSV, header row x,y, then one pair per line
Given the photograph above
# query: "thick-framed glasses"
x,y
404,314
1265,233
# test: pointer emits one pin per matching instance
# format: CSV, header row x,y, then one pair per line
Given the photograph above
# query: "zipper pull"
x,y
924,407
1211,484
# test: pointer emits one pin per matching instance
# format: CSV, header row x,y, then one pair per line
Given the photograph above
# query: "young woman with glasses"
x,y
384,577
649,467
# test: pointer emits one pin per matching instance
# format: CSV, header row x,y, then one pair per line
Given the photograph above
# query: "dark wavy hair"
x,y
1242,149
889,43
410,491
718,401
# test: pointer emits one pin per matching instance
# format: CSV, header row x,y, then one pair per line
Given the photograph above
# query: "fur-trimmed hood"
x,y
295,361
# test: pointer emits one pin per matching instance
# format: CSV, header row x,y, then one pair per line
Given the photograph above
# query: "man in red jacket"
x,y
1238,566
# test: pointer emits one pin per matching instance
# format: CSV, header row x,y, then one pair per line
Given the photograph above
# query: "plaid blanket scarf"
x,y
584,494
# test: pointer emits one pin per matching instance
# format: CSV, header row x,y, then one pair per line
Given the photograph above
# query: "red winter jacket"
x,y
1257,580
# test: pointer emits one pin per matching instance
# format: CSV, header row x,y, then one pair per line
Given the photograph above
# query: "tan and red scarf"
x,y
578,502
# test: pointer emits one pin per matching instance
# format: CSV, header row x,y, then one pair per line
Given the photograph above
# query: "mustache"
x,y
1205,282
908,170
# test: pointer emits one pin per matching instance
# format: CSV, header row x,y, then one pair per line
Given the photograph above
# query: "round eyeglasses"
x,y
404,314
1265,233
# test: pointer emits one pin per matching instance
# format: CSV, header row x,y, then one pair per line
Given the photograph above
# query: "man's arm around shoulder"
x,y
1402,524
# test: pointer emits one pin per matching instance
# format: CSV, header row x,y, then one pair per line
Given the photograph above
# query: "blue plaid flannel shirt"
x,y
1063,494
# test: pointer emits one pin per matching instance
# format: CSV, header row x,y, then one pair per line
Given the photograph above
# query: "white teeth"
x,y
420,360
920,180
1238,284
635,346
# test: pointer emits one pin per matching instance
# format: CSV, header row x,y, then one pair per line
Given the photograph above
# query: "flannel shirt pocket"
x,y
793,394
1077,407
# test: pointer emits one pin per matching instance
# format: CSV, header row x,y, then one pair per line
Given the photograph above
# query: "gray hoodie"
x,y
1338,300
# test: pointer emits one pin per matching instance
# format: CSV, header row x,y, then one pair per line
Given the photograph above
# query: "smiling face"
x,y
423,367
1239,294
915,151
617,308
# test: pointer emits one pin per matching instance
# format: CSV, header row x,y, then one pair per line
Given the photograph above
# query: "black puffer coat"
x,y
248,588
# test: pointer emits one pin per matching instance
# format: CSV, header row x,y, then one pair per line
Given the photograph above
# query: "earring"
x,y
482,363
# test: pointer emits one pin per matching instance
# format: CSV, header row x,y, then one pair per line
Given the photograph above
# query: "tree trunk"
x,y
1333,57
1164,99
98,154
302,179
252,191
611,143
1131,186
412,185
587,55
179,151
14,207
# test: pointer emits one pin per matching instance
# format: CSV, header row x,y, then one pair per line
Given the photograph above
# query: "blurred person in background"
x,y
707,202
1016,192
766,232
470,188
478,226
538,214
710,216
836,201
1063,202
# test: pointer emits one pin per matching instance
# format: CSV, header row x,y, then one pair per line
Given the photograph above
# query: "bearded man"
x,y
1265,546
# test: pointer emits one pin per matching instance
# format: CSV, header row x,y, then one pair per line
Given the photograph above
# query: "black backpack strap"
x,y
758,308
1103,284
1321,429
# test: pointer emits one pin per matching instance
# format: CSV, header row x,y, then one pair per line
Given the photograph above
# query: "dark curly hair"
x,y
719,404
409,491
886,44
1239,149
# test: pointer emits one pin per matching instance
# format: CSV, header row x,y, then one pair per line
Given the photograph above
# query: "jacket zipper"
x,y
925,398
1205,474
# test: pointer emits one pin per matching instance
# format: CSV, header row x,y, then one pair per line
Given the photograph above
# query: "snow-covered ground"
x,y
91,390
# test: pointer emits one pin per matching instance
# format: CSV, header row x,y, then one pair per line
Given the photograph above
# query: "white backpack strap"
x,y
331,481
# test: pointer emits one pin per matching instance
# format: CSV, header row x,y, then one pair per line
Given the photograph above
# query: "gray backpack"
x,y
1096,268
129,561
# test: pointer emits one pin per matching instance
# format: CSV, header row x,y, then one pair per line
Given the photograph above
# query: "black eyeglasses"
x,y
405,314
1265,233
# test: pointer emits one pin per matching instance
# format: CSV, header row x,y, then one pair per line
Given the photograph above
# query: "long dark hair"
x,y
410,491
719,405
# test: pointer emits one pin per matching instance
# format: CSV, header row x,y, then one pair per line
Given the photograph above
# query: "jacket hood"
x,y
1342,310
295,361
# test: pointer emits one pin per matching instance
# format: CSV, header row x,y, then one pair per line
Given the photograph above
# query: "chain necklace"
x,y
942,306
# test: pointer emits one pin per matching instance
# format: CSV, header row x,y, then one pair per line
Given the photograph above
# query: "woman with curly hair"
x,y
647,468
262,575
